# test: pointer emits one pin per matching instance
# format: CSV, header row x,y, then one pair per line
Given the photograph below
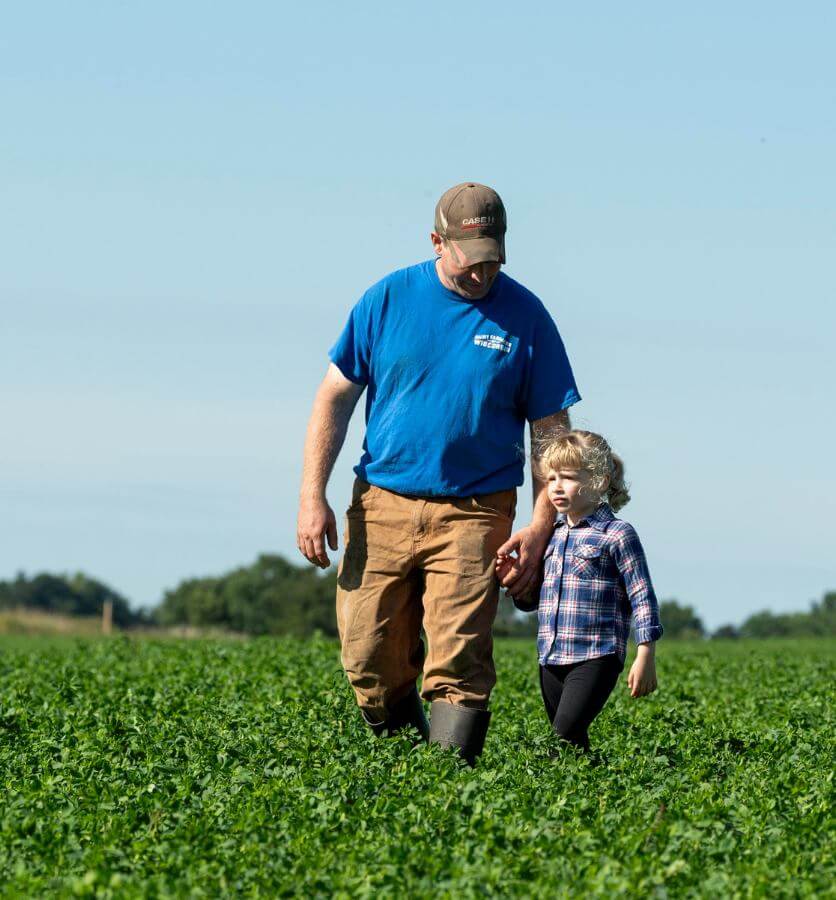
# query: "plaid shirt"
x,y
595,577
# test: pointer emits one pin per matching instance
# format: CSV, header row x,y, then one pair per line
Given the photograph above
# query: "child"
x,y
594,577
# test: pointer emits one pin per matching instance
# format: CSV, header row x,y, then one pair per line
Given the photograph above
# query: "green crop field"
x,y
208,768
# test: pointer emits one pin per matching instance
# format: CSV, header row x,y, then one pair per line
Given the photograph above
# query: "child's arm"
x,y
632,564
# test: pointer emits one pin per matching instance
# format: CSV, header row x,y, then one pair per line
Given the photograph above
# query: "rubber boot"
x,y
460,727
407,712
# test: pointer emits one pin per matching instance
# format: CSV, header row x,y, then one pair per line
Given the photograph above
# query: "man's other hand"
x,y
316,521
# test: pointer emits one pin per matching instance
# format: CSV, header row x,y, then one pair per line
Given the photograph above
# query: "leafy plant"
x,y
214,768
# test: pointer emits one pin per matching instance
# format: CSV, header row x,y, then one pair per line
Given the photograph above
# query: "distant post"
x,y
107,617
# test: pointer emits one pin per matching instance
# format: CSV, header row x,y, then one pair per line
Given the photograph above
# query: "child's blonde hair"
x,y
586,450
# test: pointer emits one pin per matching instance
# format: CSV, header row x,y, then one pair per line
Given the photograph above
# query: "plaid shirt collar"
x,y
598,519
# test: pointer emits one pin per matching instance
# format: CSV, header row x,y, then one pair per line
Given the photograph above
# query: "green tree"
x,y
680,621
820,621
272,596
823,615
76,595
726,631
766,624
91,596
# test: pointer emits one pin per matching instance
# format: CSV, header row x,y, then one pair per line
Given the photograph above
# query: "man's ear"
x,y
438,242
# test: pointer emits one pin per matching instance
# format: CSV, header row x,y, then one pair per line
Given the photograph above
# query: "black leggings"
x,y
574,694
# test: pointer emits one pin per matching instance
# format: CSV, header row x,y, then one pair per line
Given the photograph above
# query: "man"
x,y
455,356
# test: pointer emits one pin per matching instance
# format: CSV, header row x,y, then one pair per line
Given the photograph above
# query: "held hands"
x,y
316,521
507,569
642,677
505,565
518,559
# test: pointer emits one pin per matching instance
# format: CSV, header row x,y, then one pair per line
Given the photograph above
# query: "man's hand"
x,y
518,559
315,522
642,677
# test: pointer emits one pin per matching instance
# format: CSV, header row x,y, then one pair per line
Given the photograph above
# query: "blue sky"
x,y
192,198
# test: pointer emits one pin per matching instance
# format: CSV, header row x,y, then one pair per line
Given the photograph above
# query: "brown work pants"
x,y
412,561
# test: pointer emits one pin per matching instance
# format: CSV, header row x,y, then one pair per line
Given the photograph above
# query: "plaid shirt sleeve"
x,y
628,554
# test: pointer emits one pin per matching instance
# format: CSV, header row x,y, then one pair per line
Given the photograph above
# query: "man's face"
x,y
471,282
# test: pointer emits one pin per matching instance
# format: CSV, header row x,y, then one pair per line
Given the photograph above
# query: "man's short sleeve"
x,y
550,386
352,352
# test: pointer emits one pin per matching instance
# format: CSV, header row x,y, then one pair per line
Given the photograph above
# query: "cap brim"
x,y
482,249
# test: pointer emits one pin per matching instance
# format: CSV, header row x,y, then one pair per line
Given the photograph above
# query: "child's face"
x,y
571,493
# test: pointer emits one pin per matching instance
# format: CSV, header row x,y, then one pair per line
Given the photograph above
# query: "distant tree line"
x,y
68,595
274,596
820,621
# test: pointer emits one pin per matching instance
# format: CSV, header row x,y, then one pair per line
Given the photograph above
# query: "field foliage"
x,y
174,768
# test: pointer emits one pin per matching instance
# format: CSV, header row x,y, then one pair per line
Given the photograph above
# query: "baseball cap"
x,y
471,216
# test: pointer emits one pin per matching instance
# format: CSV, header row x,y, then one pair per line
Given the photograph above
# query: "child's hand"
x,y
505,564
642,677
530,600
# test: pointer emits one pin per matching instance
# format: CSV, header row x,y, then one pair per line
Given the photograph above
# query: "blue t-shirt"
x,y
451,382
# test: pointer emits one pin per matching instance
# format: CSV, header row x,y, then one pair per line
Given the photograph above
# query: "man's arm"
x,y
530,543
334,403
543,432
